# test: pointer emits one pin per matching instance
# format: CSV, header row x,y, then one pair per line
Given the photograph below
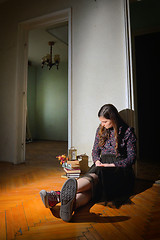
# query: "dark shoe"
x,y
68,196
50,199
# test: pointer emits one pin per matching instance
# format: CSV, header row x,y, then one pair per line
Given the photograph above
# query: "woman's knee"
x,y
94,177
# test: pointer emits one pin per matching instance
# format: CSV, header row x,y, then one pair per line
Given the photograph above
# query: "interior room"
x,y
60,61
47,89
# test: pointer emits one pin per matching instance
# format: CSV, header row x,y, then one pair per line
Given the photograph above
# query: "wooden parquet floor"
x,y
23,215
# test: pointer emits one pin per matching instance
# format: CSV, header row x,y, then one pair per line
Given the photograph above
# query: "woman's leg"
x,y
84,189
86,183
83,184
82,198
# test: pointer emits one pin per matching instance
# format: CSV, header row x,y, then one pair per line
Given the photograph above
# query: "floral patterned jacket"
x,y
126,148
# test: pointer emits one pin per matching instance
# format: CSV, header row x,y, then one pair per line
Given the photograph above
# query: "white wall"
x,y
98,65
99,75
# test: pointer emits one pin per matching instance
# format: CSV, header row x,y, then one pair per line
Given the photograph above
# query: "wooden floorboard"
x,y
23,215
2,225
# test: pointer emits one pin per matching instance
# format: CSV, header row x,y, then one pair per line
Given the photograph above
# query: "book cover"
x,y
75,170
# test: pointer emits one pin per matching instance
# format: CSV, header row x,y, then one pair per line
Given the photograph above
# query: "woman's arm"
x,y
99,164
96,151
130,140
131,150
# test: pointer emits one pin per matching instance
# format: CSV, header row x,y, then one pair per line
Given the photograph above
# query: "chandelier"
x,y
48,61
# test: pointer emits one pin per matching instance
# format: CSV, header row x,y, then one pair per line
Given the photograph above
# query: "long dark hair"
x,y
109,111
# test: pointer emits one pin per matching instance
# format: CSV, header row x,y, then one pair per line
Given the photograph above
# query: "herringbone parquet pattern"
x,y
23,215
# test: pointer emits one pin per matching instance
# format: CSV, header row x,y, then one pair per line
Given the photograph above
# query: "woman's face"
x,y
107,123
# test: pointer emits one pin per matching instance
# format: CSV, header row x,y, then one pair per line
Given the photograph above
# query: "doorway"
x,y
147,73
145,29
147,52
47,89
45,21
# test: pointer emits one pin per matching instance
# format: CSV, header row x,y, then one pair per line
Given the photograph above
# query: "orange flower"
x,y
62,158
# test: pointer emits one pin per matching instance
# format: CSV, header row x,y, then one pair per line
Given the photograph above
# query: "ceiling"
x,y
38,43
1,1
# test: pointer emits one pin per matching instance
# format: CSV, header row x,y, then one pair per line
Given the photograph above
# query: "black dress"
x,y
115,184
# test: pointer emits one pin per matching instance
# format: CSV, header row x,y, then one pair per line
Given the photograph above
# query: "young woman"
x,y
111,177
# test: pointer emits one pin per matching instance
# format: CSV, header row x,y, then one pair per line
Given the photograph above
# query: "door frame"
x,y
129,65
131,99
22,73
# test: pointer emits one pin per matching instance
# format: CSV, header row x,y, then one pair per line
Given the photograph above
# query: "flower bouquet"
x,y
63,161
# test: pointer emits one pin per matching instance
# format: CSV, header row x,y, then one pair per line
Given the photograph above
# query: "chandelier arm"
x,y
47,60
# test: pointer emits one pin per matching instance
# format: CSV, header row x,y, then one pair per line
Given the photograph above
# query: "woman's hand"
x,y
99,164
108,165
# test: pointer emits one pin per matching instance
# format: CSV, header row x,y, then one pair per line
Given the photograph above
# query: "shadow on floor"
x,y
83,215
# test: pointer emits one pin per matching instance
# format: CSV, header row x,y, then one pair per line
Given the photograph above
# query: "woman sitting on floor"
x,y
111,177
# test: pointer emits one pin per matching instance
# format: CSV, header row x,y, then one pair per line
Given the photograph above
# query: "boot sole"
x,y
68,195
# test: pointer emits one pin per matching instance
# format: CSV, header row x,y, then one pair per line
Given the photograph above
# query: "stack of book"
x,y
75,170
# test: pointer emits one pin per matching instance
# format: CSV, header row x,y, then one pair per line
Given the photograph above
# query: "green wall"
x,y
31,100
48,102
